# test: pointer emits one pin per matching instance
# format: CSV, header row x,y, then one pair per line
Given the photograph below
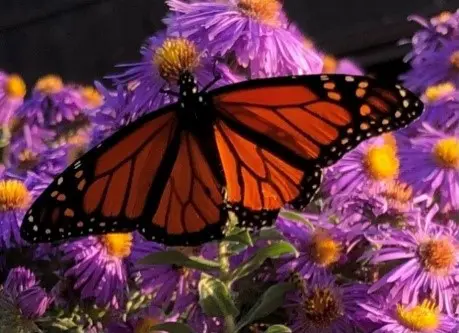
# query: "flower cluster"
x,y
377,251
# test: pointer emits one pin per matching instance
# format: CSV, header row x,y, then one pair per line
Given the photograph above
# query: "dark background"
x,y
82,40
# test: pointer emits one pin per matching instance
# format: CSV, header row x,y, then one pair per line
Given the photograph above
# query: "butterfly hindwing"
x,y
191,208
107,189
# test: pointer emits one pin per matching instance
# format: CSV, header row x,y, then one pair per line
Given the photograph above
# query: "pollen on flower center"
x,y
329,64
13,195
454,60
398,192
266,11
49,84
421,318
92,97
443,17
446,152
381,162
144,325
438,255
321,307
118,244
15,86
175,56
324,249
434,93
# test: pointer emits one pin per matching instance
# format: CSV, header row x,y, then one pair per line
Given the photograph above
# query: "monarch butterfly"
x,y
251,148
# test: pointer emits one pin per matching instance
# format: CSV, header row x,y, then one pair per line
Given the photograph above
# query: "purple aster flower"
x,y
396,317
319,249
92,98
434,34
163,58
250,32
442,109
22,288
140,322
427,263
371,163
439,66
340,66
12,92
16,194
58,108
430,165
112,115
28,152
99,268
323,307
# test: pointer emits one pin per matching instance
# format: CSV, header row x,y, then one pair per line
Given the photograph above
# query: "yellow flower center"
x,y
438,91
175,56
92,97
324,249
118,244
321,307
438,256
266,11
329,64
443,17
145,325
49,84
446,152
15,86
398,192
390,140
421,318
454,60
13,195
381,162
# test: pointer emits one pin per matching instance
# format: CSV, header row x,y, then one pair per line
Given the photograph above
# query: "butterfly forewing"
x,y
107,189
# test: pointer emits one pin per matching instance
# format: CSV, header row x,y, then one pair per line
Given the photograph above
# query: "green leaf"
x,y
273,251
215,298
242,236
278,329
272,299
294,216
270,234
172,328
172,257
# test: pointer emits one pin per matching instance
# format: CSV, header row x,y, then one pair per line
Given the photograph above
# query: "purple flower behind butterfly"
x,y
433,35
439,66
426,263
387,316
323,306
16,194
370,164
248,33
22,289
12,92
163,58
98,267
28,152
319,250
430,164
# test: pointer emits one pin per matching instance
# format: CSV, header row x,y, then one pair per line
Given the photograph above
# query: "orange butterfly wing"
x,y
107,189
275,135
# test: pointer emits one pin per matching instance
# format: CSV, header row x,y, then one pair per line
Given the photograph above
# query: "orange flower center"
x,y
438,256
15,86
321,307
118,244
325,251
266,11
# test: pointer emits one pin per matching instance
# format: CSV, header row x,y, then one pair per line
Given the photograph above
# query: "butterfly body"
x,y
251,148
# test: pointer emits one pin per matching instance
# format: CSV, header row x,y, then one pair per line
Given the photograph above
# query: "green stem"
x,y
224,260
